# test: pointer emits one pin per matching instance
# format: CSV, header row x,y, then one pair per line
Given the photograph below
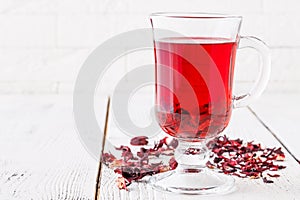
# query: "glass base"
x,y
203,182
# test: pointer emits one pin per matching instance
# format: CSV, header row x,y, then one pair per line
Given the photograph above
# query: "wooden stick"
x,y
98,180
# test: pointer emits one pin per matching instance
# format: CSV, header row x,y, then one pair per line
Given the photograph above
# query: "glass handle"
x,y
264,71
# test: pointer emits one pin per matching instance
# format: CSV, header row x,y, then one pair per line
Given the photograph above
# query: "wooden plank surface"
x,y
41,156
280,113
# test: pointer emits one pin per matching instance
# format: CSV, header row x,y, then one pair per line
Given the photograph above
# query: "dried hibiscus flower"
x,y
233,157
245,160
139,141
134,167
122,183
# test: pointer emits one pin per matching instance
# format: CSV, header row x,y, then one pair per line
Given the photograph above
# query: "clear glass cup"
x,y
194,70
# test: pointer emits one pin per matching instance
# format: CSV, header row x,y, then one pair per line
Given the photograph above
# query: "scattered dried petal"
x,y
210,165
173,163
273,175
267,181
245,160
122,183
139,141
108,158
233,157
172,143
192,151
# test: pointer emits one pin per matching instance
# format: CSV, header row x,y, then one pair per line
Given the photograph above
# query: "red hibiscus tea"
x,y
194,85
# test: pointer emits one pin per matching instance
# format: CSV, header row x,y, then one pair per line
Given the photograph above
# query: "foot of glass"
x,y
203,182
192,176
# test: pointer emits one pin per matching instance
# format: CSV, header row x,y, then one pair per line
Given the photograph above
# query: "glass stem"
x,y
191,155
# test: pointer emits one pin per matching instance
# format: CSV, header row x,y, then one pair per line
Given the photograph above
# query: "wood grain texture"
x,y
280,112
41,157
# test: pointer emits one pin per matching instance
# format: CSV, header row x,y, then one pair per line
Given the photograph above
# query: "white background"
x,y
44,42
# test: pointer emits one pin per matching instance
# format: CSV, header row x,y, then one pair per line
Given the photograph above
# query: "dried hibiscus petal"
x,y
108,158
116,163
122,183
142,152
233,157
131,173
134,167
217,160
173,163
273,175
126,152
160,144
139,141
210,165
192,151
267,181
172,143
245,160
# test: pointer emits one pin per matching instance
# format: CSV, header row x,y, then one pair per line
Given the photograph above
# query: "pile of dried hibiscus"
x,y
233,157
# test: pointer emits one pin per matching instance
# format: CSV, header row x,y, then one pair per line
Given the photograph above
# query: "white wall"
x,y
44,42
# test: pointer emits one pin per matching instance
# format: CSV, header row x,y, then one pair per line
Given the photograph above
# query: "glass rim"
x,y
195,15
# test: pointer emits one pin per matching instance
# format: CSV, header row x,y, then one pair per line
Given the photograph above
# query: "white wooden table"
x,y
41,156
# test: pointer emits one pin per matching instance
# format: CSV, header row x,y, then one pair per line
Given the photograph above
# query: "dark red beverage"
x,y
194,85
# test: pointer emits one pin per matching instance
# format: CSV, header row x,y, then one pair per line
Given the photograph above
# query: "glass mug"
x,y
194,70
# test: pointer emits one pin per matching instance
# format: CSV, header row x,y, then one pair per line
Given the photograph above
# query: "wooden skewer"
x,y
98,180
